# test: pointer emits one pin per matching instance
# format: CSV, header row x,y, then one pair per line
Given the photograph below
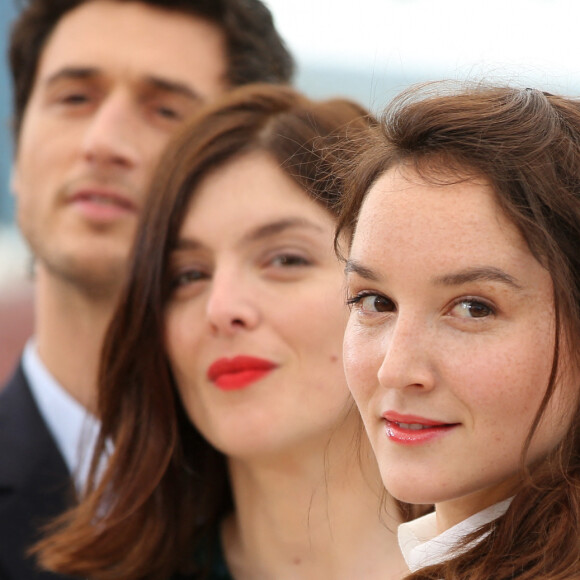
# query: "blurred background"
x,y
368,50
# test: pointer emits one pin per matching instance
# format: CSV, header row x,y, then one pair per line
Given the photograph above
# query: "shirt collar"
x,y
421,546
73,428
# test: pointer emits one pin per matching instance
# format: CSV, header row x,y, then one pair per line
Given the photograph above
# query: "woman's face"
x,y
255,323
449,343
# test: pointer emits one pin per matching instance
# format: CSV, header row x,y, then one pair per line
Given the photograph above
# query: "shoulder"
x,y
35,485
24,436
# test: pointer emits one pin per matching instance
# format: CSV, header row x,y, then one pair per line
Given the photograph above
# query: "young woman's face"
x,y
255,324
449,343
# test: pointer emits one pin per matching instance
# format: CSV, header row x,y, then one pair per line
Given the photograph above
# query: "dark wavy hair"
x,y
255,50
526,145
166,488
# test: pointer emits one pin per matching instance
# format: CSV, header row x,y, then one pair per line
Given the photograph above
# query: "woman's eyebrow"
x,y
479,274
354,267
261,232
279,226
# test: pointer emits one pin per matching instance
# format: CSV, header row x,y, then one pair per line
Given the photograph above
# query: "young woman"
x,y
463,342
222,386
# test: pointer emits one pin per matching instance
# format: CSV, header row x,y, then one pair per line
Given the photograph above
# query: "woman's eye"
x,y
470,308
188,277
372,303
289,260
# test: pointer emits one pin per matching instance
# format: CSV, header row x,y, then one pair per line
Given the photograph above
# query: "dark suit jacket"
x,y
35,484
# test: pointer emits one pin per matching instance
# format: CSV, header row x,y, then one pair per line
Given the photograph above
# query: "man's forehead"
x,y
140,41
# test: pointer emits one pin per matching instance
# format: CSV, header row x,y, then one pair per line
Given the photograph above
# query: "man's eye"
x,y
289,260
168,113
74,99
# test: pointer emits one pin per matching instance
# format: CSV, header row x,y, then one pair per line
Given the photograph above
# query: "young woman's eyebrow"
x,y
354,267
479,274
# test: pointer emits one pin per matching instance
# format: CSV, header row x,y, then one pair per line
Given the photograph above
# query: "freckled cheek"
x,y
504,388
361,366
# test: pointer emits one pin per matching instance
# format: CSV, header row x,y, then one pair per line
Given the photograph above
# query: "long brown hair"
x,y
165,488
526,144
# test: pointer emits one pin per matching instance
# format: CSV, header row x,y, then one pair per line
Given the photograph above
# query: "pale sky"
x,y
529,42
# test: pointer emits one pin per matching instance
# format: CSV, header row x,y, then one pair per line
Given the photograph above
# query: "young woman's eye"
x,y
371,303
289,261
472,308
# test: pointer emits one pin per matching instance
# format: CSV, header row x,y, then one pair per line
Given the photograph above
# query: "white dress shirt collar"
x,y
421,546
73,428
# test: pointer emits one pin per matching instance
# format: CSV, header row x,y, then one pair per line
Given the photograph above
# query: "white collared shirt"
x,y
73,428
421,546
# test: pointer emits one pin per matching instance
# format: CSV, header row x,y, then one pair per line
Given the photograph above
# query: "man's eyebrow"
x,y
72,72
155,82
354,267
480,274
175,87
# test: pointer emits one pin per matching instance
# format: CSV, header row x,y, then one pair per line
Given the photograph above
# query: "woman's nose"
x,y
407,360
232,305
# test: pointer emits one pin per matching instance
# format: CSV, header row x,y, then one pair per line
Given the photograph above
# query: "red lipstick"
x,y
412,429
230,374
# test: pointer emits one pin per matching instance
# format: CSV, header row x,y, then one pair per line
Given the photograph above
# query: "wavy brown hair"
x,y
165,488
526,144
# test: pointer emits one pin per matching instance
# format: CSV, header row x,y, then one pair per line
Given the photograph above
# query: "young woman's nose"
x,y
407,360
112,137
232,305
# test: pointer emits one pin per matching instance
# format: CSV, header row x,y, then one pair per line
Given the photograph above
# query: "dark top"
x,y
210,556
219,568
35,484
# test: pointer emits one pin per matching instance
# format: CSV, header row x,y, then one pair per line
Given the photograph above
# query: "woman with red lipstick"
x,y
463,343
222,386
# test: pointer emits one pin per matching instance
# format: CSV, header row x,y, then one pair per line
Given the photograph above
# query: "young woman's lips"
x,y
414,430
229,374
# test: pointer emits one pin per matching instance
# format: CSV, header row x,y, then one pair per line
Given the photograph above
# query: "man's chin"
x,y
96,277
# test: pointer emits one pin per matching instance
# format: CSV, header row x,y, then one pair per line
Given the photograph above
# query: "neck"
x,y
69,331
310,515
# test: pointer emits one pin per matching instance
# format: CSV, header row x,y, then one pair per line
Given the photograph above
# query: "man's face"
x,y
114,81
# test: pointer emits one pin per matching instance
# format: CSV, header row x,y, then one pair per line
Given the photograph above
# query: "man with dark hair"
x,y
99,88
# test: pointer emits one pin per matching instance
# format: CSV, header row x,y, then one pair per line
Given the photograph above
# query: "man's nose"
x,y
112,137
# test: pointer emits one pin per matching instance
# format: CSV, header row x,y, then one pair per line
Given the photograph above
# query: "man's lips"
x,y
238,372
413,429
102,204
